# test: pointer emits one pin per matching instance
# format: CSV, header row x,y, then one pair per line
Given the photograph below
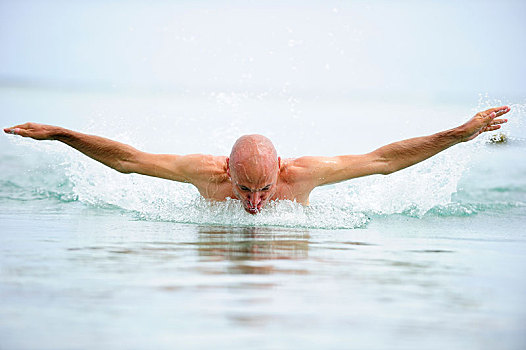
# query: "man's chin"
x,y
253,211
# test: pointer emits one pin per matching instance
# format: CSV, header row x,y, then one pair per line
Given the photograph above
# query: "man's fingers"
x,y
20,126
21,129
503,111
492,127
13,130
498,110
499,121
16,131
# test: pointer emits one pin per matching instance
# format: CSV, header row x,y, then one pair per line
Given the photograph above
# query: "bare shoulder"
x,y
316,171
305,168
299,172
192,168
209,175
204,167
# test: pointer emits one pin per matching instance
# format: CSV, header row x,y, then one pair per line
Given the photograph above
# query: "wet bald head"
x,y
253,159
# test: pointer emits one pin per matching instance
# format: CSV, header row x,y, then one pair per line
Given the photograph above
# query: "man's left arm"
x,y
397,155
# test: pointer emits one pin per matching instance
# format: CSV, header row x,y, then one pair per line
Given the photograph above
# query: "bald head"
x,y
253,158
253,167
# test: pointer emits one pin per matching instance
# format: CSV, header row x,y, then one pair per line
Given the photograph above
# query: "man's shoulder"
x,y
296,169
213,163
203,160
205,167
303,163
310,171
209,160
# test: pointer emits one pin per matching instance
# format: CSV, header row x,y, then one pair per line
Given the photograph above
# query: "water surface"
x,y
432,257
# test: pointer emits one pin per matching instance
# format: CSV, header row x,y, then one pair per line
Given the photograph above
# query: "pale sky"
x,y
443,48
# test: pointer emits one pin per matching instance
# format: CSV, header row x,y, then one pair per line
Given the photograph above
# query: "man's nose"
x,y
254,198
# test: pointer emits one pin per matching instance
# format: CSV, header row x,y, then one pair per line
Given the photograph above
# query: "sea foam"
x,y
429,188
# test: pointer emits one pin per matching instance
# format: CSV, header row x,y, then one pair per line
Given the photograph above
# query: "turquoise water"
x,y
431,257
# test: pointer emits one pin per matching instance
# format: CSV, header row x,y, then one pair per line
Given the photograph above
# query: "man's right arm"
x,y
116,155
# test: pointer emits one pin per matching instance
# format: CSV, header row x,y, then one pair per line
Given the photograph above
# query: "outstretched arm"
x,y
396,156
116,155
400,155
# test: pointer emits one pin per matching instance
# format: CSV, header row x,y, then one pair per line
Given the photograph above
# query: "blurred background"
x,y
222,68
438,50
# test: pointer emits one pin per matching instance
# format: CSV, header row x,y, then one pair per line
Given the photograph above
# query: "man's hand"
x,y
482,122
34,130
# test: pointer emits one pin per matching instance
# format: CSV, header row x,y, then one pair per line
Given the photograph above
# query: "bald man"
x,y
254,174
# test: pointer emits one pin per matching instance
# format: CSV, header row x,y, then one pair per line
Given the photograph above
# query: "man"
x,y
254,173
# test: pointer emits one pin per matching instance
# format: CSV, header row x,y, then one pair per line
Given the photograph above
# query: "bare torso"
x,y
262,180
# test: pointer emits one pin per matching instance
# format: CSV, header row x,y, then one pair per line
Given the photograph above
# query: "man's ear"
x,y
228,166
279,164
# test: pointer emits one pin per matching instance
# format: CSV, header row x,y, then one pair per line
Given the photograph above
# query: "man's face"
x,y
254,187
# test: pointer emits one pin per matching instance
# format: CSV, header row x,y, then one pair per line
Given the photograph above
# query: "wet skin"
x,y
254,173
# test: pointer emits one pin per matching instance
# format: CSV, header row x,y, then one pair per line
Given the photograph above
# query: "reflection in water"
x,y
258,280
251,249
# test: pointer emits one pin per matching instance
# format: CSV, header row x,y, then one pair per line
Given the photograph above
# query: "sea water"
x,y
431,257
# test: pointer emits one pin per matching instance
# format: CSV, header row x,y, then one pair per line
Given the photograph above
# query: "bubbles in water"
x,y
413,191
157,199
424,188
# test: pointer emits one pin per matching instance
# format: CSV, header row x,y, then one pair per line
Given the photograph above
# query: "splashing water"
x,y
428,188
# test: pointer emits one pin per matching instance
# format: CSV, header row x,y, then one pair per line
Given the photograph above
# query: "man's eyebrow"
x,y
253,190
